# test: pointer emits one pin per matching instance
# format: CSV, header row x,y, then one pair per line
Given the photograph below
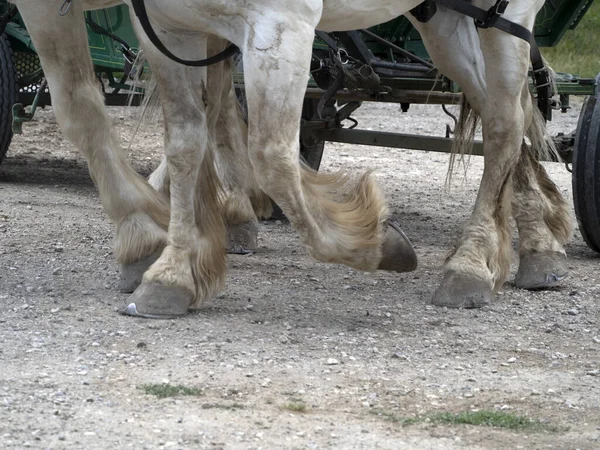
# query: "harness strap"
x,y
142,15
493,18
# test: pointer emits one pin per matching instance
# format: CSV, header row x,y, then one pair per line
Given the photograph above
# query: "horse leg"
x,y
340,219
139,213
244,201
542,214
479,263
539,209
192,266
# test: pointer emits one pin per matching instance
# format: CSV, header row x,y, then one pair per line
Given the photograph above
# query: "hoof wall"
x,y
242,239
462,291
155,301
131,274
541,270
398,253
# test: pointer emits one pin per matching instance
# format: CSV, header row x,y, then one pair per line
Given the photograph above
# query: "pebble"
x,y
400,356
512,360
332,362
596,339
58,248
572,312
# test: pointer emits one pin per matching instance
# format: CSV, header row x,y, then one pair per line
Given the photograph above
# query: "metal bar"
x,y
415,142
407,67
396,96
121,99
398,49
393,140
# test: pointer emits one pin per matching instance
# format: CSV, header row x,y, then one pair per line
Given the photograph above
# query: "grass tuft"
x,y
299,407
497,419
163,390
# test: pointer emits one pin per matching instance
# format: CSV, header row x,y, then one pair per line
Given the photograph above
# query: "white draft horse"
x,y
339,218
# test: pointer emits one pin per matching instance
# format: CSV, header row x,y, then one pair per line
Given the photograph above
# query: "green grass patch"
x,y
497,419
579,50
299,407
163,390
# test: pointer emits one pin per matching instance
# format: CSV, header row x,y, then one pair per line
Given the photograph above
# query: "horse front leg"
x,y
192,266
244,202
542,214
480,262
339,218
139,213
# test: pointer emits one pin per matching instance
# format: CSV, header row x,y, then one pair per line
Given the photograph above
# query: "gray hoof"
x,y
242,239
155,301
131,274
398,253
462,291
541,270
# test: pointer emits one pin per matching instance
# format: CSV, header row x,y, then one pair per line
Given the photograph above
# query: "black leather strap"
x,y
493,18
142,15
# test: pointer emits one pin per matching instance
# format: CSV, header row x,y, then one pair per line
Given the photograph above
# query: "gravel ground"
x,y
294,354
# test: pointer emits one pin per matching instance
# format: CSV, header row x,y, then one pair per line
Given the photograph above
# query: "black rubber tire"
x,y
8,93
311,152
586,172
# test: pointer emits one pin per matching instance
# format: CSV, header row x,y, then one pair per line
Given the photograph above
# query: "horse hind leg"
x,y
543,219
341,219
139,213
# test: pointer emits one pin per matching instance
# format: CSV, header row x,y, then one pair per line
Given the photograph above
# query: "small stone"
x,y
249,374
400,356
28,206
593,373
332,362
141,345
572,312
55,271
512,360
54,310
59,248
596,339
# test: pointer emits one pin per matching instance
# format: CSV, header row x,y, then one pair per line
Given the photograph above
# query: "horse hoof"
x,y
398,253
541,270
131,274
155,301
242,239
462,291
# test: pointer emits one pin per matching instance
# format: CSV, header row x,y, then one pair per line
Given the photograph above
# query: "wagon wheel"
x,y
311,150
8,93
586,172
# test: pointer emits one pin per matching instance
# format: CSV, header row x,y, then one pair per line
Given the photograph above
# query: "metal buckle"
x,y
64,9
493,14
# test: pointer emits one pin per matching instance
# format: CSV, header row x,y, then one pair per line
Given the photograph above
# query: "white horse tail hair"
x,y
464,135
150,107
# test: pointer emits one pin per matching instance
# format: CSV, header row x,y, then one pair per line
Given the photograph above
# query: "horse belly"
x,y
342,15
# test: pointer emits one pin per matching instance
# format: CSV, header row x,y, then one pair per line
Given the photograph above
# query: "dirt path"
x,y
293,354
